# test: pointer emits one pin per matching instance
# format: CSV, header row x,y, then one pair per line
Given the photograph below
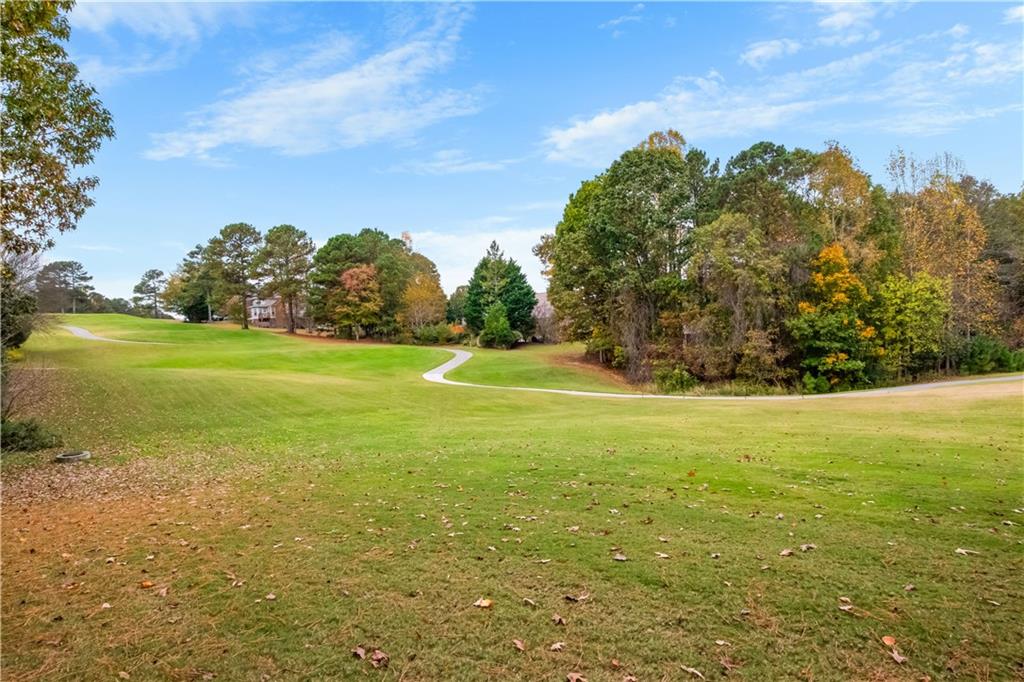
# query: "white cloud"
x,y
171,30
168,21
759,53
98,247
449,161
633,16
383,97
456,254
1013,14
842,16
917,86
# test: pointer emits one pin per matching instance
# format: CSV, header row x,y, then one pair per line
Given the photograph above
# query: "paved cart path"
x,y
437,376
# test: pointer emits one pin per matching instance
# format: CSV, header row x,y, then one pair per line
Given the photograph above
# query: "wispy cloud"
x,y
632,16
332,105
760,53
98,247
1013,14
449,161
900,86
169,33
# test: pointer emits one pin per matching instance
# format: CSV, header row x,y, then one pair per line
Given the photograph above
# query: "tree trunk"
x,y
291,315
245,311
209,312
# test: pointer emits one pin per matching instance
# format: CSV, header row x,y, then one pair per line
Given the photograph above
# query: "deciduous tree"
x,y
52,122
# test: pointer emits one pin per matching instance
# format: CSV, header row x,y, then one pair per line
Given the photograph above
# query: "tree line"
x,y
787,267
368,284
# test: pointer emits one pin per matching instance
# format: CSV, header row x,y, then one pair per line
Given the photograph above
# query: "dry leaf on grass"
x,y
557,619
965,552
896,656
575,677
482,603
557,646
583,596
889,641
786,552
379,659
146,584
693,671
620,557
359,652
518,643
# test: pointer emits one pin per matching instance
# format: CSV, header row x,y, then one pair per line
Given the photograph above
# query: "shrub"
x,y
673,379
431,334
497,332
985,354
26,435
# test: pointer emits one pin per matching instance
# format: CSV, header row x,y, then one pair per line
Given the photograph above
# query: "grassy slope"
x,y
538,366
367,501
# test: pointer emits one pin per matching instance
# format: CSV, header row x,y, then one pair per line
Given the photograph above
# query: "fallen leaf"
x,y
529,602
146,584
519,644
482,603
573,598
715,555
271,597
661,555
557,646
845,600
557,619
889,641
729,664
615,664
691,473
620,557
379,659
808,547
846,607
105,605
123,675
909,587
162,591
965,552
722,642
897,656
359,652
786,552
575,677
693,671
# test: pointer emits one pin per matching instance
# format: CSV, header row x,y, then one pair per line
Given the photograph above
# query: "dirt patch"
x,y
581,363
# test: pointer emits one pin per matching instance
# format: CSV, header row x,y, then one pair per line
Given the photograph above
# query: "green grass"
x,y
538,366
368,502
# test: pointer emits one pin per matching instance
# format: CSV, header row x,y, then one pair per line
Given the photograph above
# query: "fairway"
x,y
260,505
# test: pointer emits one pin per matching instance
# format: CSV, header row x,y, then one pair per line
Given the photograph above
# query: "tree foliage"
x,y
358,303
497,279
283,265
665,262
53,123
497,332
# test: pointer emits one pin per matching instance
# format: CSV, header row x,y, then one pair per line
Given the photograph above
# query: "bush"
x,y
434,334
985,354
813,384
26,435
673,379
497,332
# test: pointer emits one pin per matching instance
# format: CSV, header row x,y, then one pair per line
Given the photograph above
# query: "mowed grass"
x,y
376,508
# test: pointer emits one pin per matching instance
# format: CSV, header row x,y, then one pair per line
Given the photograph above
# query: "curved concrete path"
x,y
437,376
86,334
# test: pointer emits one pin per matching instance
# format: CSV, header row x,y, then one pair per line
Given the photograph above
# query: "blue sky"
x,y
466,123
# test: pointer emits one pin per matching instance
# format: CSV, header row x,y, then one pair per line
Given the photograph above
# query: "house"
x,y
545,320
273,312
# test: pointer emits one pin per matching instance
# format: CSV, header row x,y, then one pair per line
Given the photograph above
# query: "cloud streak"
x,y
896,86
333,105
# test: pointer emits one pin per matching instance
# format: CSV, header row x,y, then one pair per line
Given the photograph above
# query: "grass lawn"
x,y
258,505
